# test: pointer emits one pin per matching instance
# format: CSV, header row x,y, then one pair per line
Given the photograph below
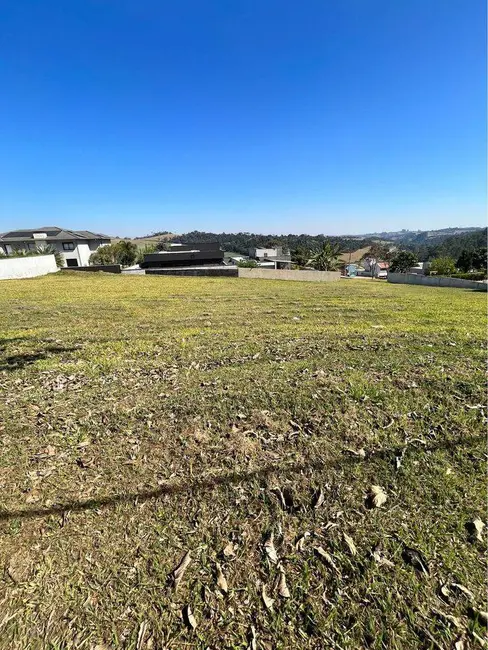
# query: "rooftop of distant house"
x,y
51,233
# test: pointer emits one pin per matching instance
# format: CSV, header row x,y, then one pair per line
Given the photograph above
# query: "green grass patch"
x,y
144,417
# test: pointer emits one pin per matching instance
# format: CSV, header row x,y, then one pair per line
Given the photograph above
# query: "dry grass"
x,y
145,417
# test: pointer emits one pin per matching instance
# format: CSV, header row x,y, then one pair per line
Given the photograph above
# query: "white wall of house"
x,y
259,253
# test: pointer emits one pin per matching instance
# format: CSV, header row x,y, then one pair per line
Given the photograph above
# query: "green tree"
x,y
300,256
465,260
326,258
380,251
126,253
402,261
443,266
480,259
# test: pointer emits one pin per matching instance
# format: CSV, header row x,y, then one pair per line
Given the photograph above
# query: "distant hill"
x,y
427,244
411,235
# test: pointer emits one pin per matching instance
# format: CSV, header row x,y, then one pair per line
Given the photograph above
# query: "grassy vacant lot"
x,y
243,422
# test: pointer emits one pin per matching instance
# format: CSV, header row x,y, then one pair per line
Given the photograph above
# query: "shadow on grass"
x,y
18,361
227,478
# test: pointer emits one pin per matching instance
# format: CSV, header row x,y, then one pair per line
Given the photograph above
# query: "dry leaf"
x,y
350,543
270,549
282,586
445,591
376,497
180,569
229,550
459,644
327,558
476,528
480,615
33,497
300,543
285,497
221,581
360,452
380,559
319,499
448,617
253,645
415,558
189,618
268,602
141,635
464,590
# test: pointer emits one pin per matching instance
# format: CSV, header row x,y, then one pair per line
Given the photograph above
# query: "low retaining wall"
x,y
26,267
436,281
219,272
297,276
106,268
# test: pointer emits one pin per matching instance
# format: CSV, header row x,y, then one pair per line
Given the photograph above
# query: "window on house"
x,y
68,246
72,262
265,254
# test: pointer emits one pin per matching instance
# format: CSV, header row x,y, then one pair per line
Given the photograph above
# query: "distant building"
x,y
75,246
178,255
375,268
272,257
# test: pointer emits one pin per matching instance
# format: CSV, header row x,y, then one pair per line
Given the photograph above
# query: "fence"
x,y
26,267
436,281
297,276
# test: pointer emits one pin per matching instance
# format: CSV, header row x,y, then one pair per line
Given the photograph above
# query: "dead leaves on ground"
x,y
268,602
221,580
189,618
270,550
416,559
376,497
475,530
350,544
283,590
179,571
327,559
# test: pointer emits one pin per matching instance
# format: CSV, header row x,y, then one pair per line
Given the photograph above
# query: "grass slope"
x,y
145,417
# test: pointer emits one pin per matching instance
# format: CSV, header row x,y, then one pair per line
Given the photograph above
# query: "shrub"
x,y
247,264
470,276
122,252
49,249
147,249
443,266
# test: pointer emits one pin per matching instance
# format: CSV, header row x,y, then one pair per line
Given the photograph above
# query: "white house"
x,y
75,246
263,253
271,257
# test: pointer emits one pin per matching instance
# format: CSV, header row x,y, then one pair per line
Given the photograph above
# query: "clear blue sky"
x,y
334,116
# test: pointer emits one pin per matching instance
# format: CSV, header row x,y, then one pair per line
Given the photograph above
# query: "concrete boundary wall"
x,y
297,276
436,281
211,272
12,268
106,268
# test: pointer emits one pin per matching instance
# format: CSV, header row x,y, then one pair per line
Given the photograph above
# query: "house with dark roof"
x,y
75,246
185,255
